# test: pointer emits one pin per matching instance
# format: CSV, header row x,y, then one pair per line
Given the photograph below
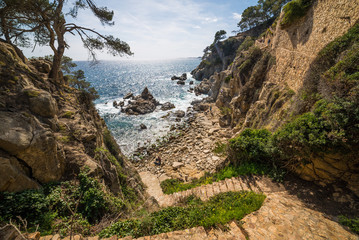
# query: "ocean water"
x,y
113,80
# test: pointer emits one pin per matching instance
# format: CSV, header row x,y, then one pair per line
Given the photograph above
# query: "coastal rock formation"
x,y
128,95
263,86
167,106
203,87
142,104
181,82
50,132
183,77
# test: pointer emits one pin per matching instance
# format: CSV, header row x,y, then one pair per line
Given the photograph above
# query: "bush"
x,y
42,207
220,148
251,146
219,210
294,10
247,43
352,223
170,186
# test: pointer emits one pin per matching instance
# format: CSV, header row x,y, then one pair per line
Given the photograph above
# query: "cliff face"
x,y
264,85
49,131
222,53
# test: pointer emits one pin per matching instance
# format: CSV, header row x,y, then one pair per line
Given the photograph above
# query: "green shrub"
x,y
219,210
111,144
170,186
247,43
68,114
294,10
49,206
220,148
352,223
251,146
225,111
30,205
331,127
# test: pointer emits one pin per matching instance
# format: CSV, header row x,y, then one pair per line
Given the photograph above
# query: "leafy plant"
x,y
352,223
220,148
219,210
251,146
248,42
170,186
58,206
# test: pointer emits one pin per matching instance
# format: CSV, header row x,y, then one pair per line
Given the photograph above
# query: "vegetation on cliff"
x,y
63,207
52,139
256,15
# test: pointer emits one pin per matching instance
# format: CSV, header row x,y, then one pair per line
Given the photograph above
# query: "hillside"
x,y
55,146
286,73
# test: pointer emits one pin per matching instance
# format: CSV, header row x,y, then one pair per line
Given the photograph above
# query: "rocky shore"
x,y
190,154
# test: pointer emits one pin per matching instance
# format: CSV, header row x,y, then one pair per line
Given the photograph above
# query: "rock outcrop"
x,y
142,104
167,106
261,86
49,131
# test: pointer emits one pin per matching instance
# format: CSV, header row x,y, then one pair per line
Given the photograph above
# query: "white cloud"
x,y
157,28
237,16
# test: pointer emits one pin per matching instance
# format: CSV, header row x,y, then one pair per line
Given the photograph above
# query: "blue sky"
x,y
159,29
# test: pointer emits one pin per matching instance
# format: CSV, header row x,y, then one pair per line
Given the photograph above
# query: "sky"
x,y
157,29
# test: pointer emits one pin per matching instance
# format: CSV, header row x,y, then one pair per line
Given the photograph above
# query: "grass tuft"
x,y
193,212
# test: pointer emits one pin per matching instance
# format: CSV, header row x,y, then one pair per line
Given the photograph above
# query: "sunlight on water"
x,y
113,80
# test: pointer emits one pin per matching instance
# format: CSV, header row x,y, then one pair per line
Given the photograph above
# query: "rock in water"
x,y
167,106
180,114
181,82
143,126
128,95
115,104
142,104
183,77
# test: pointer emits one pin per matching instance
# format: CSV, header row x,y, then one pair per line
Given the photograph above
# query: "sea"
x,y
114,79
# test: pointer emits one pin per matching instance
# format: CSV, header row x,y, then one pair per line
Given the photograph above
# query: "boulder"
x,y
180,114
14,177
167,106
203,87
201,107
181,82
142,104
183,77
41,102
176,165
128,95
115,104
121,104
35,145
143,126
146,94
191,83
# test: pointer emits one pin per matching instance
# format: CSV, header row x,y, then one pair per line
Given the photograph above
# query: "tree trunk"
x,y
56,64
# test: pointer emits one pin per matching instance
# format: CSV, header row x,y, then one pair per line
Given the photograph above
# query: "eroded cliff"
x,y
285,74
50,132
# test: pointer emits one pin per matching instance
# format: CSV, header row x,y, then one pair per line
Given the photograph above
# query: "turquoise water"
x,y
114,79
